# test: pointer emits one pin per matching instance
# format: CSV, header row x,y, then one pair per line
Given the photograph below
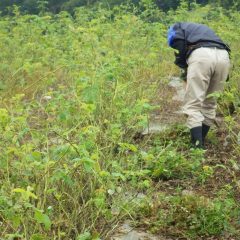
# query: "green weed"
x,y
75,91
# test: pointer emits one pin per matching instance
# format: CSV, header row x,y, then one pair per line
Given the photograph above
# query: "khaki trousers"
x,y
208,69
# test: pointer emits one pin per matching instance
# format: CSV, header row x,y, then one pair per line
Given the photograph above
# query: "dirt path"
x,y
170,101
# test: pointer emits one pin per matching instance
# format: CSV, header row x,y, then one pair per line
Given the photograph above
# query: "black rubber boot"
x,y
197,137
205,130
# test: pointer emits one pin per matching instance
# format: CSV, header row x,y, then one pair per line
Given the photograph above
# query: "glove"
x,y
180,60
183,75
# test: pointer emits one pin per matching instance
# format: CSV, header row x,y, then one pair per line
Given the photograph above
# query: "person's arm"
x,y
180,57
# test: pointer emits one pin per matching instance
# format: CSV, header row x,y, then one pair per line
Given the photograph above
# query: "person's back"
x,y
194,33
186,37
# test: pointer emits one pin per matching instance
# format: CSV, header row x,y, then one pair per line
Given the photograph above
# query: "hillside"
x,y
77,93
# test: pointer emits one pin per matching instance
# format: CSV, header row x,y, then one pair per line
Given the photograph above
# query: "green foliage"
x,y
171,164
58,135
195,215
42,218
74,94
55,6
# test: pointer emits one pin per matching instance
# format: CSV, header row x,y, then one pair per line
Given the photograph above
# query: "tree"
x,y
55,6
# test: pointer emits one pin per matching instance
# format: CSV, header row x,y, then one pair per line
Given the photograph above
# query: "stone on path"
x,y
155,127
126,232
179,86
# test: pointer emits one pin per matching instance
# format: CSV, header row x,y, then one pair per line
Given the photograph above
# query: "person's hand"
x,y
180,60
183,74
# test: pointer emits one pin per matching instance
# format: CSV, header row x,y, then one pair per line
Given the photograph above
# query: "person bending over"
x,y
205,57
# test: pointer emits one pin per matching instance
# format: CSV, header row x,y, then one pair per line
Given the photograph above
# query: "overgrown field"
x,y
75,94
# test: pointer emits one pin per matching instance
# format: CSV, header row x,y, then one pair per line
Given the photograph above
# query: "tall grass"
x,y
74,93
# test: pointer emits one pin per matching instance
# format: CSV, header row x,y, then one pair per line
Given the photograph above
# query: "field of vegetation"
x,y
76,93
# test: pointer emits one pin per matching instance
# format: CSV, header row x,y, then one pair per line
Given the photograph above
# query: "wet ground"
x,y
126,232
160,121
